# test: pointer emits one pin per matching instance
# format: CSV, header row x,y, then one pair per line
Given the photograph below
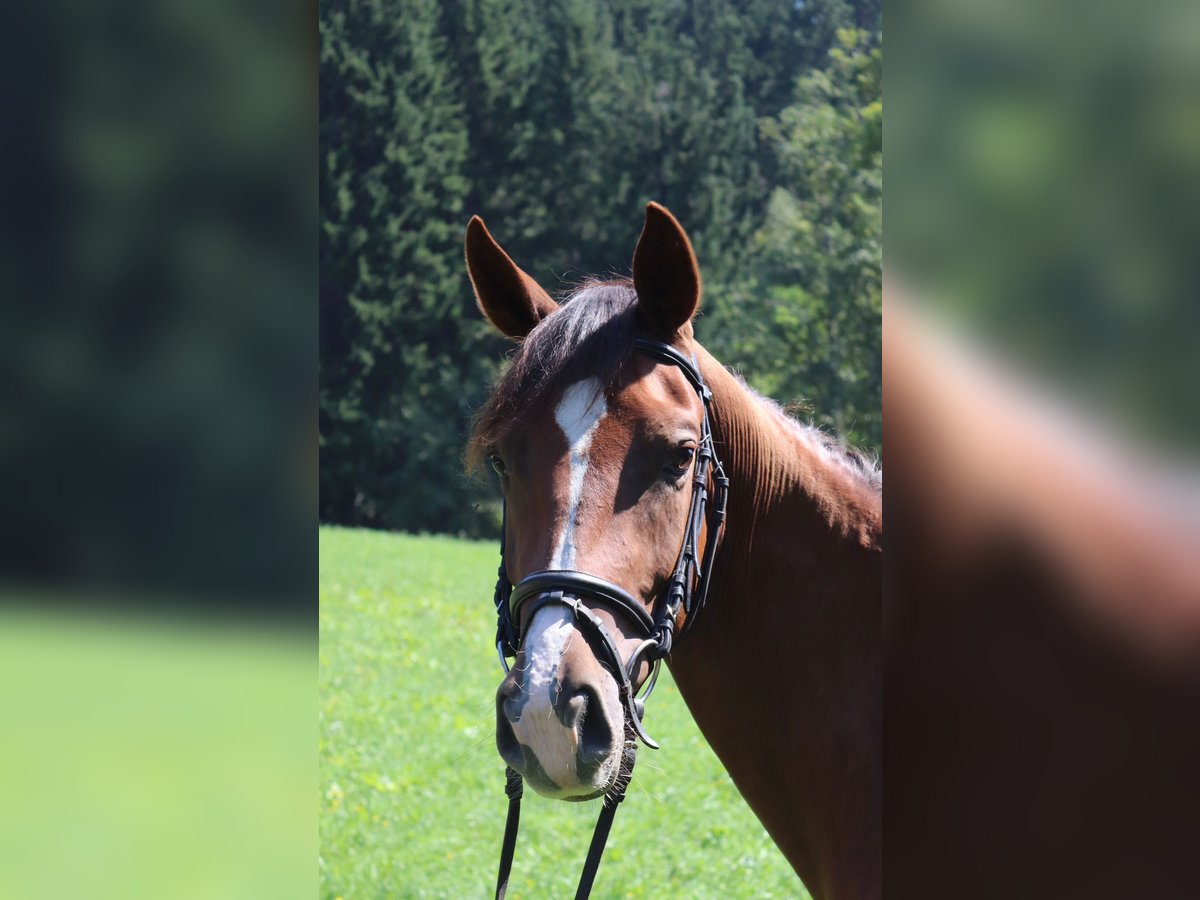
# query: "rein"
x,y
685,594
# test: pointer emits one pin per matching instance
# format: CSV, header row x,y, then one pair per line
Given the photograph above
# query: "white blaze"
x,y
578,414
539,726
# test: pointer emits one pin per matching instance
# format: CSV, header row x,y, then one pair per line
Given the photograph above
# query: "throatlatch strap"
x,y
514,787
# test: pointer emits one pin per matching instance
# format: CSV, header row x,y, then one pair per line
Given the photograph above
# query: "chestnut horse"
x,y
596,444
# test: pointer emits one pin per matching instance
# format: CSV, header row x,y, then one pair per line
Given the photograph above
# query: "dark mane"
x,y
591,334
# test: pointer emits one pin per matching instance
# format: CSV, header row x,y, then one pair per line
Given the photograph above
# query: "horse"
x,y
1043,637
599,447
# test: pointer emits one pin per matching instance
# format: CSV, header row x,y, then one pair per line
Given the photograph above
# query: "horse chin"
x,y
579,793
572,797
585,797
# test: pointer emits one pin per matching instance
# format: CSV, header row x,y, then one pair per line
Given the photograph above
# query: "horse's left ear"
x,y
665,274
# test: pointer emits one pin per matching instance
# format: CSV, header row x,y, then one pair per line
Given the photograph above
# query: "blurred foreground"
x,y
1042,635
1042,693
157,460
158,303
155,759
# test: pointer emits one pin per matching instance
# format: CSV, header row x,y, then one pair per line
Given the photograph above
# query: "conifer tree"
x,y
755,122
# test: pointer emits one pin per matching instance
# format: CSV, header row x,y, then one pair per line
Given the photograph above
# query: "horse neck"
x,y
797,509
782,671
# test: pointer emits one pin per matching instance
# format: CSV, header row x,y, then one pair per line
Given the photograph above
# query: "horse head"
x,y
597,448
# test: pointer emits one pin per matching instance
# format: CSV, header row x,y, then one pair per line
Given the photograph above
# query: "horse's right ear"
x,y
511,300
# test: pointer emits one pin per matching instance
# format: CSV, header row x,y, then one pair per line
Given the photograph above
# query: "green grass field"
x,y
412,789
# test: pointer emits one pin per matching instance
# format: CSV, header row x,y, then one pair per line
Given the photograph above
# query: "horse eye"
x,y
498,465
682,457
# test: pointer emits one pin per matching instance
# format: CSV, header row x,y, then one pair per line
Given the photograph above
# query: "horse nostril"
x,y
512,709
506,738
510,699
583,711
571,708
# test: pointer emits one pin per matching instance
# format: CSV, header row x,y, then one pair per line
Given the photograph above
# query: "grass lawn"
x,y
412,789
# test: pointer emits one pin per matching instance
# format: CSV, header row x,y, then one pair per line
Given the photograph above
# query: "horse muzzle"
x,y
562,733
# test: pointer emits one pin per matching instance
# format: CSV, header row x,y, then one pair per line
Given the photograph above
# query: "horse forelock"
x,y
590,335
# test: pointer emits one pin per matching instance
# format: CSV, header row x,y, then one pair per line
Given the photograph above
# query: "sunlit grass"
x,y
412,790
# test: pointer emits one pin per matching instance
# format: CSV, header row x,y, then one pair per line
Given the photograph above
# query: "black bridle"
x,y
685,594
